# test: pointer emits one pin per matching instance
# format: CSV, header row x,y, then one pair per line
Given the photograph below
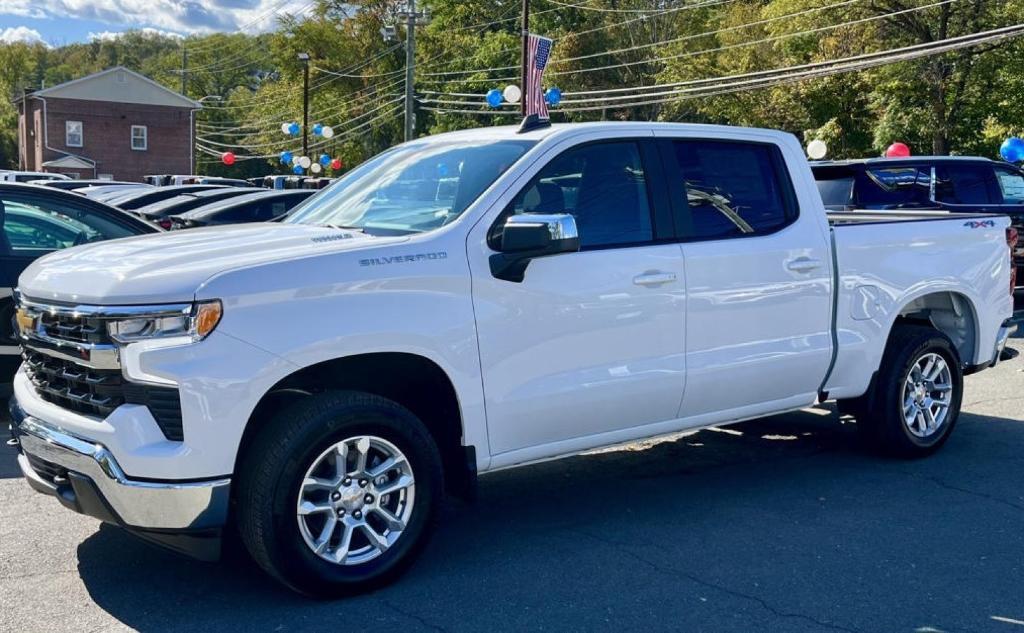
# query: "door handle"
x,y
803,264
654,278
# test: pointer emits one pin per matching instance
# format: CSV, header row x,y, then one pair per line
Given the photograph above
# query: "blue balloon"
x,y
318,129
325,160
297,170
442,170
553,96
294,128
1012,150
494,97
286,158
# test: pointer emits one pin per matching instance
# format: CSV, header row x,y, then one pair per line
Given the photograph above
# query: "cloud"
x,y
178,16
148,31
21,34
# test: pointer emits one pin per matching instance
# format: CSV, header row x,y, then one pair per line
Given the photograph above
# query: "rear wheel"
x,y
339,493
915,401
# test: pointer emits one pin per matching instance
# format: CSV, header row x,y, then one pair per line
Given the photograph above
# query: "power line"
x,y
750,43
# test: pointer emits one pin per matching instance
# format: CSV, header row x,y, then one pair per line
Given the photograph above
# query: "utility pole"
x,y
526,55
410,70
304,58
413,19
184,69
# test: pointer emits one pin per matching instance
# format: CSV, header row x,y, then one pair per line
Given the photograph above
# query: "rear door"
x,y
758,279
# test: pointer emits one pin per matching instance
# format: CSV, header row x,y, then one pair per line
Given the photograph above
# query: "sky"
x,y
56,22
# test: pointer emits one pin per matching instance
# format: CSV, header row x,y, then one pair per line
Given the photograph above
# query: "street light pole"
x,y
304,57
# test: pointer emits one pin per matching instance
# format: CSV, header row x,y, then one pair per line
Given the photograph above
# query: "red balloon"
x,y
336,164
897,150
228,158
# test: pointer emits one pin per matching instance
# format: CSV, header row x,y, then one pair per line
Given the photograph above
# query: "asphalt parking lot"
x,y
781,524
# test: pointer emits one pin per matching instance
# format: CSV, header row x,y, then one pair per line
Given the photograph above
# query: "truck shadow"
x,y
783,518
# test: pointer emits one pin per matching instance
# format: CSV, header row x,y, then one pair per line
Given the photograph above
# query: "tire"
x,y
897,397
295,459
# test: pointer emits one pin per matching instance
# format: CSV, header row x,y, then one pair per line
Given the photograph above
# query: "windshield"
x,y
412,188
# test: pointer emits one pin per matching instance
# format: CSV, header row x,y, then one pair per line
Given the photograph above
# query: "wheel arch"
x,y
951,312
412,380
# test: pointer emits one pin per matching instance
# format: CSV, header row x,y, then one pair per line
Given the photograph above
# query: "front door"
x,y
590,344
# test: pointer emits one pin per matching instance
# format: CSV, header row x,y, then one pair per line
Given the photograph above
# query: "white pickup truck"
x,y
474,301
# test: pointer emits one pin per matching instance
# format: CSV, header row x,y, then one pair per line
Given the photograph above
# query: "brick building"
x,y
115,123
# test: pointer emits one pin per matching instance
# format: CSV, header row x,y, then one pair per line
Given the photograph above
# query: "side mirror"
x,y
527,236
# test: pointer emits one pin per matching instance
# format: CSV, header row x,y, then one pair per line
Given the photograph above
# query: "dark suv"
x,y
950,183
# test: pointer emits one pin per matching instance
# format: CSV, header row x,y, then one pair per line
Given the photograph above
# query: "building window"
x,y
139,138
73,133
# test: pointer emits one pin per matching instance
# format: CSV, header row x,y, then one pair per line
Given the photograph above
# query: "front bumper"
x,y
84,476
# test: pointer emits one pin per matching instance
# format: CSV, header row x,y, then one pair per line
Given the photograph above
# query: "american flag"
x,y
538,51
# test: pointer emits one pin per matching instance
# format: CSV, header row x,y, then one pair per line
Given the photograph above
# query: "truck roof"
x,y
511,132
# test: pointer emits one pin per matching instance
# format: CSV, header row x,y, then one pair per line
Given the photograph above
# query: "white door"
x,y
588,343
758,278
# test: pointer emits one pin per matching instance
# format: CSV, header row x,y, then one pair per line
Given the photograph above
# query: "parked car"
x,y
38,220
103,193
330,377
72,185
257,206
159,211
138,198
25,176
953,184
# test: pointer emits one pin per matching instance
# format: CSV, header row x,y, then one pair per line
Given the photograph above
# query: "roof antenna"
x,y
533,122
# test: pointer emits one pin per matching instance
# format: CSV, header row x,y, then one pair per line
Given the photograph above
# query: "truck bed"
x,y
882,269
838,218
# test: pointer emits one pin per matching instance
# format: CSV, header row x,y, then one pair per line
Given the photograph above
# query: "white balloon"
x,y
304,162
315,168
327,132
817,149
512,93
296,160
284,128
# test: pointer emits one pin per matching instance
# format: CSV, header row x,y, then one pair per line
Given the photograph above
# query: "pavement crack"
x,y
412,616
981,495
779,613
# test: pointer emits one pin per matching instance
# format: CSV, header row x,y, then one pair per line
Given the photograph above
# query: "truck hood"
x,y
170,267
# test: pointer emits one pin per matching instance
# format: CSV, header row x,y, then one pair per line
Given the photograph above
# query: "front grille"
x,y
49,471
72,327
97,392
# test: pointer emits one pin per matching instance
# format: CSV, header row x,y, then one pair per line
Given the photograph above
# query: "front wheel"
x,y
338,493
916,399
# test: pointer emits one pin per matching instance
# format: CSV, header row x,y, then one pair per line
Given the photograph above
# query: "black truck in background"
x,y
928,183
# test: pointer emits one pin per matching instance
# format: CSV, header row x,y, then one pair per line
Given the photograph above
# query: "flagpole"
x,y
526,54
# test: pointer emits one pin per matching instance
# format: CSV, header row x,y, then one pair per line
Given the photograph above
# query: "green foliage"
x,y
965,101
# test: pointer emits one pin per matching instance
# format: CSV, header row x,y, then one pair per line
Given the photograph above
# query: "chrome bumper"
x,y
95,484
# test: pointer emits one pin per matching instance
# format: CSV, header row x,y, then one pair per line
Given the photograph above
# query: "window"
x,y
733,189
602,185
903,187
1011,185
139,137
965,183
32,227
73,133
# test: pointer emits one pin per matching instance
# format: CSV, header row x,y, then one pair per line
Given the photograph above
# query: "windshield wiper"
x,y
345,228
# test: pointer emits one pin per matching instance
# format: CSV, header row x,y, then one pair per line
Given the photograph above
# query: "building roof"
x,y
118,85
70,162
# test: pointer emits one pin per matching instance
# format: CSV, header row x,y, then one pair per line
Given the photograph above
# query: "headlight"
x,y
195,323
